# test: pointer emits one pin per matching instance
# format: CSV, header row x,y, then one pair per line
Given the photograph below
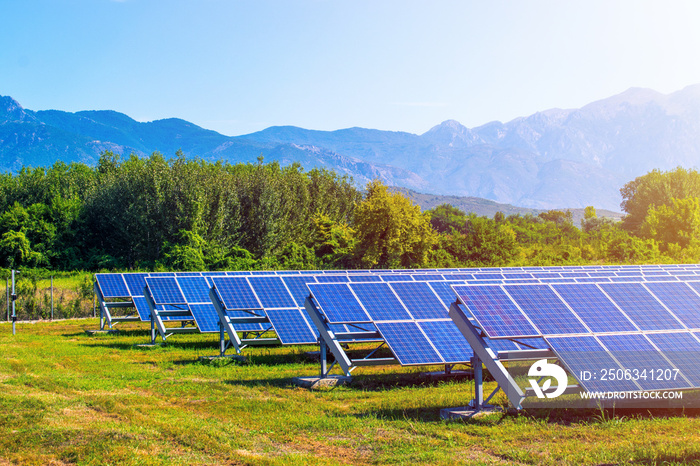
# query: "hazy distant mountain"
x,y
552,159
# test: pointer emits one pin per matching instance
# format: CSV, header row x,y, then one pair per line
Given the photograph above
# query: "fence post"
x,y
51,297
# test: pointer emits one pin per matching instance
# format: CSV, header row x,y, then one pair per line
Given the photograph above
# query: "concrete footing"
x,y
315,383
102,332
466,412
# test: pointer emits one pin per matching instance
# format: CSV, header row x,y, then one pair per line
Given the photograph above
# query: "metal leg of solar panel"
x,y
329,339
225,324
488,357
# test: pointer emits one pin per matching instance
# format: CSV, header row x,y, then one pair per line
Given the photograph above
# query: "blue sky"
x,y
240,66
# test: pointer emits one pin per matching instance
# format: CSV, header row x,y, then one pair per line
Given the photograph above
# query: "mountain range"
x,y
552,159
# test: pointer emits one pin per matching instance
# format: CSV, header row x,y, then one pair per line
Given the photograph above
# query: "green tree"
x,y
678,223
391,230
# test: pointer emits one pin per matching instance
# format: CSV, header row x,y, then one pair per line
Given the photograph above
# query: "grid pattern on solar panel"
x,y
495,312
195,289
420,300
501,345
250,327
112,285
394,277
424,277
680,299
448,340
488,276
173,307
142,308
165,291
682,350
332,279
511,276
592,280
206,317
545,309
272,292
235,293
365,278
637,355
136,282
594,308
291,327
379,301
640,306
408,343
338,303
297,286
584,354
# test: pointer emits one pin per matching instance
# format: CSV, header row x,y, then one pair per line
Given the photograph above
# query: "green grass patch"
x,y
70,398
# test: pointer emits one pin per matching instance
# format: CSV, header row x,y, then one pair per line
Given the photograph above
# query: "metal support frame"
x,y
492,361
158,323
106,317
226,327
331,340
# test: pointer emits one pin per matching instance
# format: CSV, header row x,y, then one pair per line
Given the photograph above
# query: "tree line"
x,y
179,213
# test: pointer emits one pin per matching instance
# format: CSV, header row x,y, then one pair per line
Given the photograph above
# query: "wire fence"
x,y
43,298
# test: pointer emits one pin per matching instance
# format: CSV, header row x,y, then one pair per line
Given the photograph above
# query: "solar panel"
x,y
365,278
495,312
421,300
235,293
136,282
195,289
448,341
545,309
683,350
588,361
332,278
680,299
640,306
297,286
272,292
142,308
206,317
408,343
291,327
338,303
379,301
643,362
594,308
165,291
112,285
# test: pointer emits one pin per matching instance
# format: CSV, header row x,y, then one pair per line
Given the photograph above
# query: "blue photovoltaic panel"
x,y
136,282
501,345
271,292
660,278
162,274
188,274
338,303
424,277
445,292
641,306
594,308
408,343
488,276
235,293
679,299
496,313
165,291
112,285
636,354
592,280
297,286
448,340
173,307
395,277
379,301
573,274
511,276
206,317
420,300
545,309
365,278
682,350
626,279
142,308
251,327
195,289
587,360
458,276
291,327
332,278
549,275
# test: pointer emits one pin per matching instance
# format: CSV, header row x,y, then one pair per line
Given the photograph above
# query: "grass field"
x,y
70,398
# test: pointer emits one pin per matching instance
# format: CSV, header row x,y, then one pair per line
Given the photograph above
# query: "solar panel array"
x,y
611,336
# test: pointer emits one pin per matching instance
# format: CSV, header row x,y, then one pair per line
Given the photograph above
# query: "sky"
x,y
239,66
